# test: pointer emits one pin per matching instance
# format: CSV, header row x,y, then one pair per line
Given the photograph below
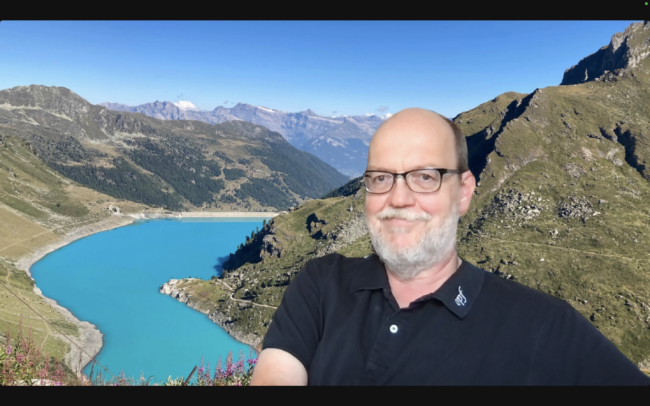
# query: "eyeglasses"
x,y
426,180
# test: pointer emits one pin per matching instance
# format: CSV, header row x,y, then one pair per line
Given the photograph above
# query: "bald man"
x,y
414,313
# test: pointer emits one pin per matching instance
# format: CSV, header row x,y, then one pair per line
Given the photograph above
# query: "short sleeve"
x,y
296,325
571,351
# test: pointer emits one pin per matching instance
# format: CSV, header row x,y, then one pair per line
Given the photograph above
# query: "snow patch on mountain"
x,y
335,143
186,105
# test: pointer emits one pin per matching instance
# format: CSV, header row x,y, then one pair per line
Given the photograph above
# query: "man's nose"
x,y
401,195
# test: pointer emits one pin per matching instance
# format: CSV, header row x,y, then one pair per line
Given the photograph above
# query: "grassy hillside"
x,y
562,194
12,310
39,207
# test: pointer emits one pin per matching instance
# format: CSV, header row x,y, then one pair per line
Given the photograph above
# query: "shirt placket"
x,y
388,344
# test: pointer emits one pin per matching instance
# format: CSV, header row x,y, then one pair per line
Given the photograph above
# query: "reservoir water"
x,y
111,279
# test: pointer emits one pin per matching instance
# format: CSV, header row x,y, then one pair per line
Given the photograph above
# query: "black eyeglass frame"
x,y
441,171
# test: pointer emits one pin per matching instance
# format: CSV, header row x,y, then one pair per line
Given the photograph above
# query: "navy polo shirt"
x,y
340,319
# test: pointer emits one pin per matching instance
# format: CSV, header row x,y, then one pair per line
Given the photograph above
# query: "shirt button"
x,y
393,329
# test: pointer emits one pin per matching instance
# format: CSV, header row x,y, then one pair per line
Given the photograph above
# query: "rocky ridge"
x,y
623,53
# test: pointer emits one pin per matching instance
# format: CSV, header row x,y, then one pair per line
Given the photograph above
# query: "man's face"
x,y
415,139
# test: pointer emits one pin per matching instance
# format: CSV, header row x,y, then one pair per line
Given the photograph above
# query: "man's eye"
x,y
380,178
425,177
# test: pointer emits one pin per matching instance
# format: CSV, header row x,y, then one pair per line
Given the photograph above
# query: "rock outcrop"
x,y
176,288
173,289
625,51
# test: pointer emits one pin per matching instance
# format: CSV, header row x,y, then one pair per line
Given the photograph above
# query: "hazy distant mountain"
x,y
340,141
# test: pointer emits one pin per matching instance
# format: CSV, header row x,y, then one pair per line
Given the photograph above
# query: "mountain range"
x,y
179,165
340,141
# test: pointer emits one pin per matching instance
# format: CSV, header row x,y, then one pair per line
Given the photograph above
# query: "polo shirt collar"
x,y
371,275
458,293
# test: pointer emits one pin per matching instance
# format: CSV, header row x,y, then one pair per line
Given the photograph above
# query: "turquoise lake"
x,y
111,279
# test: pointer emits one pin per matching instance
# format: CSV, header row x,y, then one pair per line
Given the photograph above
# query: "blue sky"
x,y
344,67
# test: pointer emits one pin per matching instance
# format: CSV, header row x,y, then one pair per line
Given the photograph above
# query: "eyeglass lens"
x,y
425,180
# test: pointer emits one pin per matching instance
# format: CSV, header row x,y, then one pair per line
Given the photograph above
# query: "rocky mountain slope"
x,y
340,141
174,164
561,206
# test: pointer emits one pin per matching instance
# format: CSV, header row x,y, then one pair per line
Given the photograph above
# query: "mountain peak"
x,y
309,112
625,51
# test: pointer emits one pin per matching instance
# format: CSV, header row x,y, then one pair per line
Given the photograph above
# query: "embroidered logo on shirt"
x,y
460,299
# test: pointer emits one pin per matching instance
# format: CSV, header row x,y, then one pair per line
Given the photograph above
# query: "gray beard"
x,y
406,263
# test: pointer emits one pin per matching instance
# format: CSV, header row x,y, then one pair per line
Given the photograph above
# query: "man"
x,y
415,313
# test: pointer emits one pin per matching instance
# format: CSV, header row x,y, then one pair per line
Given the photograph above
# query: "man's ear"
x,y
467,186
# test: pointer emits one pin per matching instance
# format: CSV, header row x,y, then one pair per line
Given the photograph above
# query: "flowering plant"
x,y
232,374
21,362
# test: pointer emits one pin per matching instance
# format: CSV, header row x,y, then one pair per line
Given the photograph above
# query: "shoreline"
x,y
200,214
90,338
220,319
26,261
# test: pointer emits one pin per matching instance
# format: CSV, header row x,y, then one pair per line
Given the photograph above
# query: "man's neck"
x,y
426,282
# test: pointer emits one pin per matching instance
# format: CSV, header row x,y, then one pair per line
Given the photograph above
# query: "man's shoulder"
x,y
336,262
340,268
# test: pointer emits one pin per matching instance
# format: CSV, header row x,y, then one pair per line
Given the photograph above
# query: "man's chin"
x,y
401,241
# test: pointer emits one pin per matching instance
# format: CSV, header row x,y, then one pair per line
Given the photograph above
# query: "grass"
x,y
12,309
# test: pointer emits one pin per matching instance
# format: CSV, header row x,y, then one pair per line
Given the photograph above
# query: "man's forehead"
x,y
415,120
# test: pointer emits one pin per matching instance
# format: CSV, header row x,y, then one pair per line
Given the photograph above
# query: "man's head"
x,y
413,231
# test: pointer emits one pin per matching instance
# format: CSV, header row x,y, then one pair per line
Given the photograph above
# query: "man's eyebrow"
x,y
380,169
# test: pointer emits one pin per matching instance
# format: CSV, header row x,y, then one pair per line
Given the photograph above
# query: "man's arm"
x,y
293,335
574,352
278,367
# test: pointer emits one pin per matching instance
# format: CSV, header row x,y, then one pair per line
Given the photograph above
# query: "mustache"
x,y
402,214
